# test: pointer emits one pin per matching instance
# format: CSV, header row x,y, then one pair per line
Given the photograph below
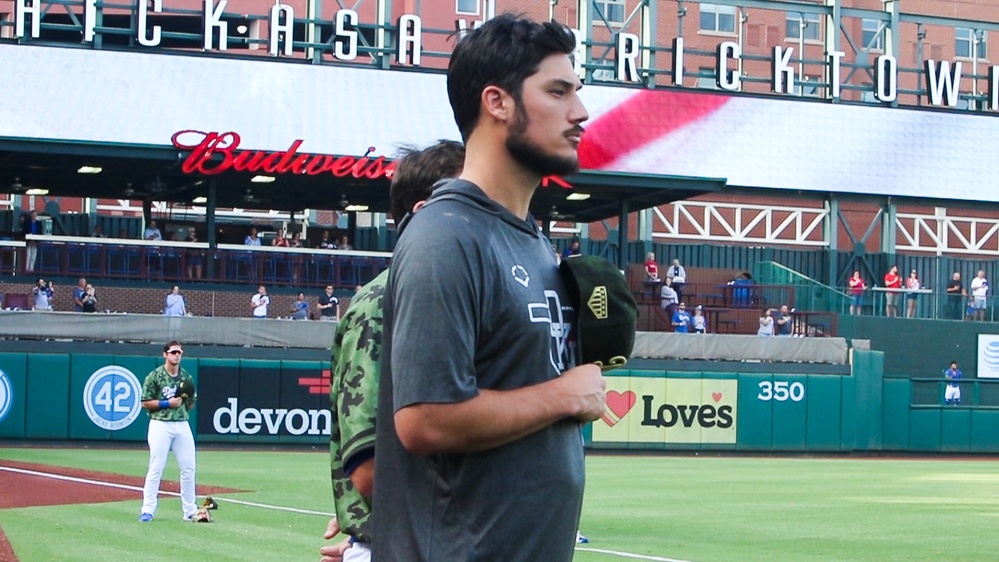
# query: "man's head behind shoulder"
x,y
418,171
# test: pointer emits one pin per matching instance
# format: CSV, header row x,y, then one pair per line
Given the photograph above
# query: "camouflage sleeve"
x,y
356,371
150,390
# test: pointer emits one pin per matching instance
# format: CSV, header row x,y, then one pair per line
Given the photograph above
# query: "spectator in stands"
x,y
979,294
89,299
893,284
955,297
195,258
667,298
259,302
343,243
698,321
572,249
300,308
42,292
325,241
175,305
329,305
681,319
78,293
856,285
30,225
783,321
651,269
280,240
296,240
98,231
152,233
912,285
252,239
652,279
766,323
678,276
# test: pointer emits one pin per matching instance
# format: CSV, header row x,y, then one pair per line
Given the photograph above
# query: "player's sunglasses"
x,y
175,352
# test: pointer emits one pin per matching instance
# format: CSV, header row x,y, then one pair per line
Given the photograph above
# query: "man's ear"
x,y
497,103
419,205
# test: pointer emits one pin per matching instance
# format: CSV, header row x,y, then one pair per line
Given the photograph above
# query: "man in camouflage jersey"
x,y
356,360
169,431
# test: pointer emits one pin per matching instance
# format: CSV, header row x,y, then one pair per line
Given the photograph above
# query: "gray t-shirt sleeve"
x,y
434,288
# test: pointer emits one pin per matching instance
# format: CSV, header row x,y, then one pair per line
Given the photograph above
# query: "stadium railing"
x,y
142,260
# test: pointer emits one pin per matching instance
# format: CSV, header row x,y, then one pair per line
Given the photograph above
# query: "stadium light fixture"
x,y
577,196
262,179
89,170
356,208
37,191
200,200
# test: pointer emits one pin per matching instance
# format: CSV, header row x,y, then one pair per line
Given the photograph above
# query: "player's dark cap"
x,y
606,310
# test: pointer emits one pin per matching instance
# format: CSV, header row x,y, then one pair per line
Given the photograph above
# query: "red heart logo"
x,y
617,406
717,396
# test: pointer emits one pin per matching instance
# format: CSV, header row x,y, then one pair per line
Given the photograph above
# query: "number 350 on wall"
x,y
781,391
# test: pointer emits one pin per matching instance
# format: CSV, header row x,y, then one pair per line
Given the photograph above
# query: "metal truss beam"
x,y
755,224
941,233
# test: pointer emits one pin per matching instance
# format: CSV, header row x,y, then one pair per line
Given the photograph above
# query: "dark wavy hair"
x,y
503,52
418,171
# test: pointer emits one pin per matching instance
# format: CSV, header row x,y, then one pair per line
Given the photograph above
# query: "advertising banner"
x,y
988,356
647,410
264,401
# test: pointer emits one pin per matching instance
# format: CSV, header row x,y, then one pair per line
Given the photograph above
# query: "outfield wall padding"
x,y
94,397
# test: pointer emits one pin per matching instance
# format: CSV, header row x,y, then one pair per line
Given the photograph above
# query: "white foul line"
x,y
290,509
629,555
139,489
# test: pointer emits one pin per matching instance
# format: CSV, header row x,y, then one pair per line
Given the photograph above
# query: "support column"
x,y
210,227
622,236
832,236
888,230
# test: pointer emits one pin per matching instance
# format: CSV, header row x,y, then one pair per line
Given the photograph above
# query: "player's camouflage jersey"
x,y
159,385
357,349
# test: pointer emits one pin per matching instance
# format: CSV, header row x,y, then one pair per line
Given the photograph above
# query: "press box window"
x,y
873,36
470,7
613,10
812,31
964,42
718,17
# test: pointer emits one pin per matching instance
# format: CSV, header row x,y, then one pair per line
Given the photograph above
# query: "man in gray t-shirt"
x,y
478,445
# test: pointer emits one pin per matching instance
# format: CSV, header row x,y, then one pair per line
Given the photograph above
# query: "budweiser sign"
x,y
214,153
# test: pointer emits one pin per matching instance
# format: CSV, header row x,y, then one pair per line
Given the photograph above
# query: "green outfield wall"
x,y
95,397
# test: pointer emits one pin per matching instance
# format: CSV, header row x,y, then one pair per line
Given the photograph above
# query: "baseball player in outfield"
x,y
952,395
356,359
169,431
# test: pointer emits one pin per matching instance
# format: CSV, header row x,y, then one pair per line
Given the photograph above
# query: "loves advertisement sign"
x,y
662,411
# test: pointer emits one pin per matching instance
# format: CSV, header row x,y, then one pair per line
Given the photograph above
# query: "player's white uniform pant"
x,y
163,437
952,393
358,552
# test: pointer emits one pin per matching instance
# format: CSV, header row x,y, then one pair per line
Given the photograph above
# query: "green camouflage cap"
x,y
606,311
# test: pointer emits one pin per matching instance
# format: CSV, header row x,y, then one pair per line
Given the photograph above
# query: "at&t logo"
x,y
112,397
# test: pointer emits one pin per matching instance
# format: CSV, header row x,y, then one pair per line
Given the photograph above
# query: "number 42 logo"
x,y
111,397
781,391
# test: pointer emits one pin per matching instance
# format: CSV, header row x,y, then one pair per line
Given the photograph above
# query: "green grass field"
x,y
697,508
